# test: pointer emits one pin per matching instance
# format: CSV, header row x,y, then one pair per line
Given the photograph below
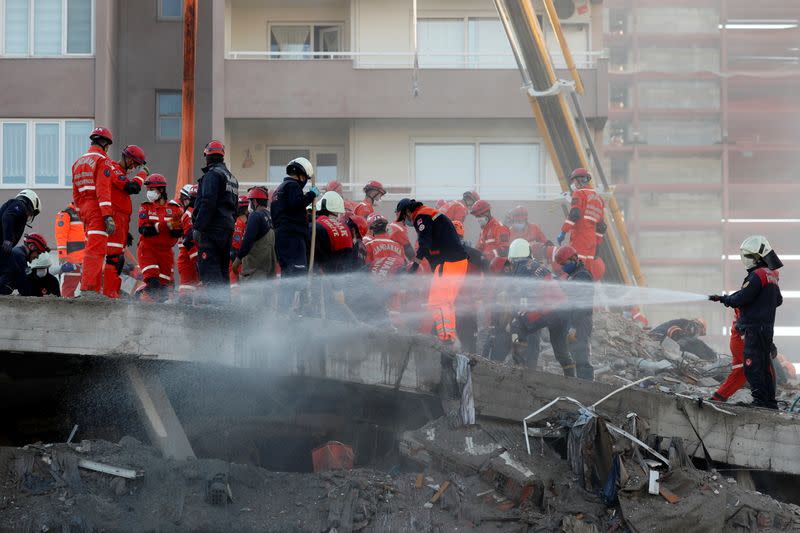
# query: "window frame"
x,y
313,151
313,25
30,151
31,33
476,142
160,17
158,136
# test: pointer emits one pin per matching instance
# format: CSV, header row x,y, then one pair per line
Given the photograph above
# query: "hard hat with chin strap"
x,y
756,249
33,198
300,167
331,201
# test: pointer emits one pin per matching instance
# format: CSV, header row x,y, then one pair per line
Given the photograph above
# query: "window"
x,y
47,28
170,9
325,160
168,109
463,43
498,171
41,152
294,41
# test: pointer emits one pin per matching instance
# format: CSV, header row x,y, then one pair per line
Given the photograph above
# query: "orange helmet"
x,y
377,222
155,180
470,197
518,214
481,208
134,152
335,186
243,201
258,193
374,185
456,211
38,241
214,148
564,254
101,133
582,176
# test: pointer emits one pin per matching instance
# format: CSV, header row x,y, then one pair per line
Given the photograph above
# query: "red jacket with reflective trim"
x,y
120,199
381,247
364,209
531,233
334,250
91,183
586,213
494,240
238,232
164,218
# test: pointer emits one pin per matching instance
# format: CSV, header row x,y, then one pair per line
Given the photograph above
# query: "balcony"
x,y
381,85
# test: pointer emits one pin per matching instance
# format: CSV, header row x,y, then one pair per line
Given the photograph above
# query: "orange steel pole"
x,y
186,155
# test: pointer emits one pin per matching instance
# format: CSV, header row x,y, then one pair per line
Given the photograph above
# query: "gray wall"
x,y
47,88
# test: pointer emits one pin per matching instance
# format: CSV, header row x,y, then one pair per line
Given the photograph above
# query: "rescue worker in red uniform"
x,y
522,229
438,242
91,193
122,187
495,237
469,198
585,222
159,227
381,246
334,245
398,232
359,230
187,248
456,211
757,302
373,192
238,234
336,186
70,243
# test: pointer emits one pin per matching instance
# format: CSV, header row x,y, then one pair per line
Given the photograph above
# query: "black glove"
x,y
175,232
413,267
7,247
148,231
715,298
187,241
129,240
133,187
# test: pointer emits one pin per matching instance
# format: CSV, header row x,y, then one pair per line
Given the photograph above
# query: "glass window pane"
x,y
441,43
444,170
290,39
76,139
521,162
171,9
79,26
327,165
488,45
169,103
278,159
47,28
16,27
47,146
326,38
169,128
14,152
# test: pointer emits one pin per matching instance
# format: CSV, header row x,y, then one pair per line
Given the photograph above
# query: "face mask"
x,y
569,267
518,227
573,186
376,201
483,221
153,195
749,261
41,272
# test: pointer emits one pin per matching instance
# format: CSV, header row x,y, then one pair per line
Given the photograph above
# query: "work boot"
x,y
569,370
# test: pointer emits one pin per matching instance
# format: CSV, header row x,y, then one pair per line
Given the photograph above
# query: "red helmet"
x,y
214,148
456,211
359,222
258,193
582,175
459,227
497,264
377,222
38,241
134,152
154,181
518,214
243,200
334,185
481,208
564,254
101,133
470,197
374,186
440,204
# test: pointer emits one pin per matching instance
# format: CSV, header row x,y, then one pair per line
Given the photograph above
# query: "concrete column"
x,y
220,13
105,65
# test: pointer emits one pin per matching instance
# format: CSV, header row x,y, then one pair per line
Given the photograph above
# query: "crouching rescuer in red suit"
x,y
160,228
91,193
495,237
585,222
122,187
439,243
187,249
756,303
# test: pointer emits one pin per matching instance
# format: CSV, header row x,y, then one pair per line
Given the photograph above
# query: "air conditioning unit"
x,y
573,11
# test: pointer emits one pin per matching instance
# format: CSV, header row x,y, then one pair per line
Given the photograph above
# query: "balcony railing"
x,y
405,60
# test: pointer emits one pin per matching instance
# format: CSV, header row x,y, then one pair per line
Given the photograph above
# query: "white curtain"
x,y
14,153
441,43
16,27
291,39
47,28
75,134
47,148
510,172
79,26
444,170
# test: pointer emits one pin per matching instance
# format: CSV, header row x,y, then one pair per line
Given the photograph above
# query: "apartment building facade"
x,y
332,80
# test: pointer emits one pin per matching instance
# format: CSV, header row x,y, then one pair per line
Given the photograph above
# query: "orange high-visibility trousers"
x,y
736,379
95,255
447,280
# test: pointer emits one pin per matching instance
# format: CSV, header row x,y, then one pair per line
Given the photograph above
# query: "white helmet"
x,y
756,248
331,201
300,164
33,198
42,261
519,249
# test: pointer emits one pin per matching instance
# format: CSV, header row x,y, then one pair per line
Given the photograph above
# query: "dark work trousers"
x,y
213,263
758,365
292,251
557,326
581,320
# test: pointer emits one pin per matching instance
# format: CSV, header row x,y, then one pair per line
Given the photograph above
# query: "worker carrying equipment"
x,y
585,222
373,192
581,295
159,227
495,237
91,193
187,248
70,243
757,302
439,243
